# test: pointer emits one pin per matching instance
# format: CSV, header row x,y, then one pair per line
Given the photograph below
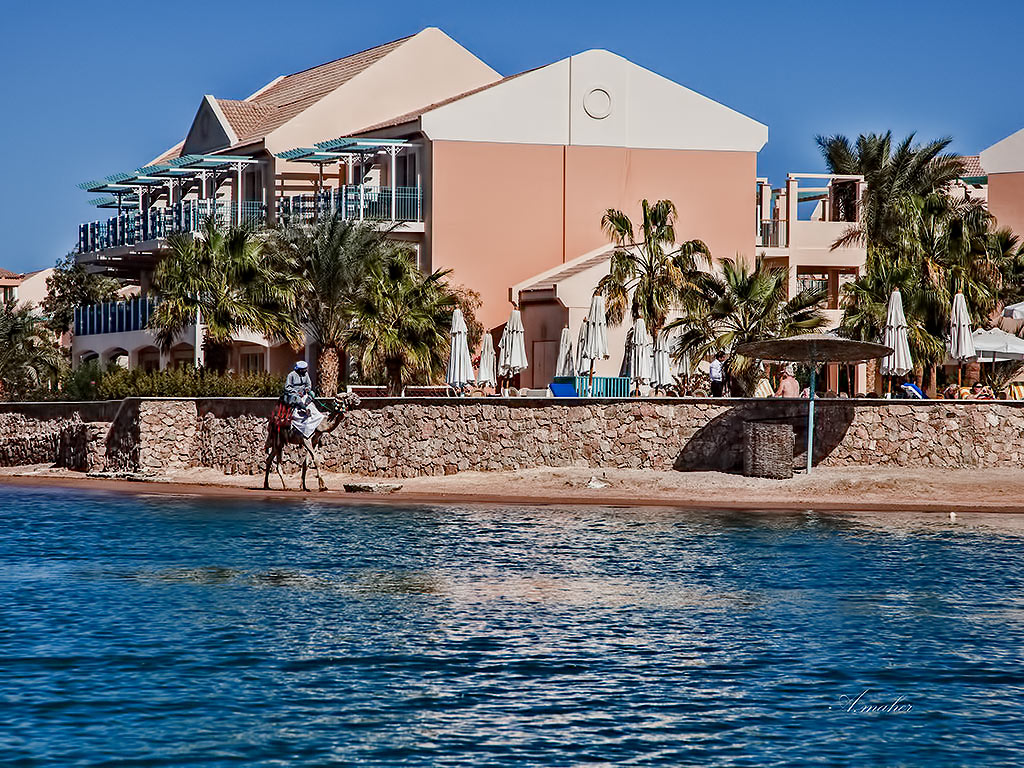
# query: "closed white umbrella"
x,y
961,345
594,345
640,352
582,364
566,365
899,363
594,341
460,364
485,377
512,347
661,369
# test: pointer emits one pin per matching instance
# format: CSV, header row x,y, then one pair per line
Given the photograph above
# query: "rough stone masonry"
x,y
434,436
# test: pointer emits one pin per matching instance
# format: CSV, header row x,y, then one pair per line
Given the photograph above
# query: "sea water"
x,y
155,630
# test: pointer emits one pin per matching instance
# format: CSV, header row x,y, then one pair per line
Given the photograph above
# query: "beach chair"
x,y
563,389
1016,390
913,392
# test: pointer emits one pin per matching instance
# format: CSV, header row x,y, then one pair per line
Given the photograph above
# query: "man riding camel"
x,y
298,394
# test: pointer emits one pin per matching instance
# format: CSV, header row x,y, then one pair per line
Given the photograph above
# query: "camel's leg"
x,y
305,464
271,448
308,445
281,444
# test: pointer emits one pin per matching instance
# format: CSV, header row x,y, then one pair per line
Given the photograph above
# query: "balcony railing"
x,y
773,233
355,202
133,227
114,316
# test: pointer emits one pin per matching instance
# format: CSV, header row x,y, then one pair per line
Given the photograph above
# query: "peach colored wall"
x,y
501,213
495,216
713,192
1006,199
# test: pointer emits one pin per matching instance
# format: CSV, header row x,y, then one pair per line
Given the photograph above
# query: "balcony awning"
x,y
113,202
186,166
336,150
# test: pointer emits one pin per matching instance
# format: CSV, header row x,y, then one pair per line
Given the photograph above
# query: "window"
x,y
252,362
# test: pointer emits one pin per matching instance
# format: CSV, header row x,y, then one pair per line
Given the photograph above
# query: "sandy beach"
x,y
862,488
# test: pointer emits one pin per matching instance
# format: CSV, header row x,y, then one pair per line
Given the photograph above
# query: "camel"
x,y
277,439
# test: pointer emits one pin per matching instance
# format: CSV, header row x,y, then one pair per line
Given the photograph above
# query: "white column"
x,y
362,190
393,151
238,193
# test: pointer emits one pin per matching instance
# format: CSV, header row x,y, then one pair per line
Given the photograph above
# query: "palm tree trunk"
x,y
394,374
328,369
217,356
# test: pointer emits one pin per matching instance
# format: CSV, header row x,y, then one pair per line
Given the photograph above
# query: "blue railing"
x,y
114,316
133,227
600,386
354,201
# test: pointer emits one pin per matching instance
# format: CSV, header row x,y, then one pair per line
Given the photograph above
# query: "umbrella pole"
x,y
590,382
810,418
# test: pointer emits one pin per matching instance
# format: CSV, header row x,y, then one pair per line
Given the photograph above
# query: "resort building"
x,y
502,180
28,288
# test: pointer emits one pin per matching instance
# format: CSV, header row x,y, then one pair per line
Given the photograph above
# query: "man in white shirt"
x,y
717,375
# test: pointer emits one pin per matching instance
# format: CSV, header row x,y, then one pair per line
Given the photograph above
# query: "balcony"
x,y
355,202
130,228
114,316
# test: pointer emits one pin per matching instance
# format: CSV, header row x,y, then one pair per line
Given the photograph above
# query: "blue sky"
x,y
92,88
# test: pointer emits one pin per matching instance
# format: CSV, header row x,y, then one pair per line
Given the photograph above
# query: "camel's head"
x,y
345,401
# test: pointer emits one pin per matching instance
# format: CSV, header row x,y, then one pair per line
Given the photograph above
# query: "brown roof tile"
x,y
246,117
6,274
972,166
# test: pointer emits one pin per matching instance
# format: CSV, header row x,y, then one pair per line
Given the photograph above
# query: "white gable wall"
x,y
595,98
1006,156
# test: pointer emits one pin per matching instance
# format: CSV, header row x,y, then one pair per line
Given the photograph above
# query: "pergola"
x,y
350,151
128,187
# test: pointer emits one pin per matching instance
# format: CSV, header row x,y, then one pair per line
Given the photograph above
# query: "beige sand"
x,y
868,488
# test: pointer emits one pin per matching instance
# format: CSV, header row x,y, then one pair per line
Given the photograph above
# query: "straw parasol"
x,y
512,347
640,352
566,365
813,348
485,376
594,336
961,345
460,365
899,362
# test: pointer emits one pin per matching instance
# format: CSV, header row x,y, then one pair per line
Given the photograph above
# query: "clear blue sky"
x,y
92,88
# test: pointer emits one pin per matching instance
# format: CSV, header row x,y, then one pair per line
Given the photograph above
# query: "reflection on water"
x,y
308,634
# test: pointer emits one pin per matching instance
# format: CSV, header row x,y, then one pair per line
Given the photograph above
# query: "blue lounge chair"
x,y
913,392
563,389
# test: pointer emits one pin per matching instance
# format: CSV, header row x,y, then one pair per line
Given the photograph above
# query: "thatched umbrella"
x,y
813,348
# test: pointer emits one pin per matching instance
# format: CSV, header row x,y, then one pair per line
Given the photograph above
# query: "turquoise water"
x,y
147,631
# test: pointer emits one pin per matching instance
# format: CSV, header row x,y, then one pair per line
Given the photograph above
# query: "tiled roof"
x,y
287,97
246,117
6,274
409,116
972,166
170,154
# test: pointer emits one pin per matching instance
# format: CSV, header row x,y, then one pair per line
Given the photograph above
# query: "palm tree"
x,y
890,175
229,281
399,321
332,256
29,355
740,305
649,271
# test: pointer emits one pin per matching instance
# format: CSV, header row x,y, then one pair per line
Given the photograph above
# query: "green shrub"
x,y
91,382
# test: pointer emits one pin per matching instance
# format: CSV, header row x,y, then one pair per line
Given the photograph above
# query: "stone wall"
x,y
405,438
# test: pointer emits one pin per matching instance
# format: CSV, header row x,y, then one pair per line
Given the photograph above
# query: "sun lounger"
x,y
913,392
563,389
1016,391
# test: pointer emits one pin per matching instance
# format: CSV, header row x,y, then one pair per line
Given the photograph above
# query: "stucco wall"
x,y
502,213
1006,199
404,438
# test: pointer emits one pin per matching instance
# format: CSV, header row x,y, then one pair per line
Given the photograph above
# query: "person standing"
x,y
717,375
